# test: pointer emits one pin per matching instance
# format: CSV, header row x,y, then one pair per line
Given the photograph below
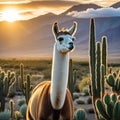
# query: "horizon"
x,y
31,38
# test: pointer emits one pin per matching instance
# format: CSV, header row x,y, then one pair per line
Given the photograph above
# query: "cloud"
x,y
92,13
34,4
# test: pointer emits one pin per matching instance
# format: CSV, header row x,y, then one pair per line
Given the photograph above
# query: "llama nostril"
x,y
71,43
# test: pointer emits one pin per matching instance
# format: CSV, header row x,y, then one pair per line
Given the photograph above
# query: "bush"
x,y
18,115
23,110
83,83
86,91
80,101
75,96
5,115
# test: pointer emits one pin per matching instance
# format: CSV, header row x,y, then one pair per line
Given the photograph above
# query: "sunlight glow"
x,y
10,15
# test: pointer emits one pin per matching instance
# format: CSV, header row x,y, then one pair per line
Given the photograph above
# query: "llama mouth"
x,y
71,47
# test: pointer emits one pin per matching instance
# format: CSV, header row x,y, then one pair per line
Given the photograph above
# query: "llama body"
x,y
52,100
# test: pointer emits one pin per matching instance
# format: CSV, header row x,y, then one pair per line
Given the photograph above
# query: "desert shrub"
x,y
83,83
80,101
21,101
5,115
47,73
75,96
86,90
18,115
23,110
89,100
76,88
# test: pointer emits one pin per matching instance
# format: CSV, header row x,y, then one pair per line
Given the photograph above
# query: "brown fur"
x,y
40,108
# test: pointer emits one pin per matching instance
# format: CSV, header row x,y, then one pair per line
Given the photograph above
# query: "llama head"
x,y
64,38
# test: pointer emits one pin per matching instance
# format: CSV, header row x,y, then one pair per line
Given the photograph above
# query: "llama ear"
x,y
73,29
55,29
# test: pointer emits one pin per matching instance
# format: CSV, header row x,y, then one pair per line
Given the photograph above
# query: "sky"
x,y
27,9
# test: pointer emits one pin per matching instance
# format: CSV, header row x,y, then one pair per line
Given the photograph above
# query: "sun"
x,y
10,15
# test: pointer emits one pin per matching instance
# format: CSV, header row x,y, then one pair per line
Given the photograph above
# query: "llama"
x,y
52,100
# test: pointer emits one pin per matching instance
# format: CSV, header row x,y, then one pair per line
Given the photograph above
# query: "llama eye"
x,y
73,39
60,39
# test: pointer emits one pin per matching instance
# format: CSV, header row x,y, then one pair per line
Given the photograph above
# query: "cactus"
x,y
80,114
23,110
104,52
27,88
25,85
108,107
71,78
97,65
11,105
6,81
5,115
21,76
113,80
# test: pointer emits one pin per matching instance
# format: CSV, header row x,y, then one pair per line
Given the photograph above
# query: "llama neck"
x,y
59,78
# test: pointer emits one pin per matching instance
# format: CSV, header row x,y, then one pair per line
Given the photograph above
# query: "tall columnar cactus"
x,y
97,69
25,84
104,52
6,81
21,75
108,107
71,78
27,89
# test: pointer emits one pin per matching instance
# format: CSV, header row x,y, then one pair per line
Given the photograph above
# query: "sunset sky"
x,y
26,9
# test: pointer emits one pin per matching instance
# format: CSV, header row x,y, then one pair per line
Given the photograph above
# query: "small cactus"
x,y
108,107
11,105
113,81
5,115
6,81
23,110
80,114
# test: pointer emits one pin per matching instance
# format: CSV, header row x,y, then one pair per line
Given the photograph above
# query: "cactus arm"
x,y
104,52
98,72
102,80
116,111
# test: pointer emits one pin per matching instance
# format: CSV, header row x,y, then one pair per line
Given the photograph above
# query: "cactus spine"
x,y
6,81
71,78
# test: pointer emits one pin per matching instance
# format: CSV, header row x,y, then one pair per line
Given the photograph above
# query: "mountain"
x,y
116,5
81,7
34,38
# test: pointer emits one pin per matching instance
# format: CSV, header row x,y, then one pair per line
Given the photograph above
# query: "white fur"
x,y
64,45
60,68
